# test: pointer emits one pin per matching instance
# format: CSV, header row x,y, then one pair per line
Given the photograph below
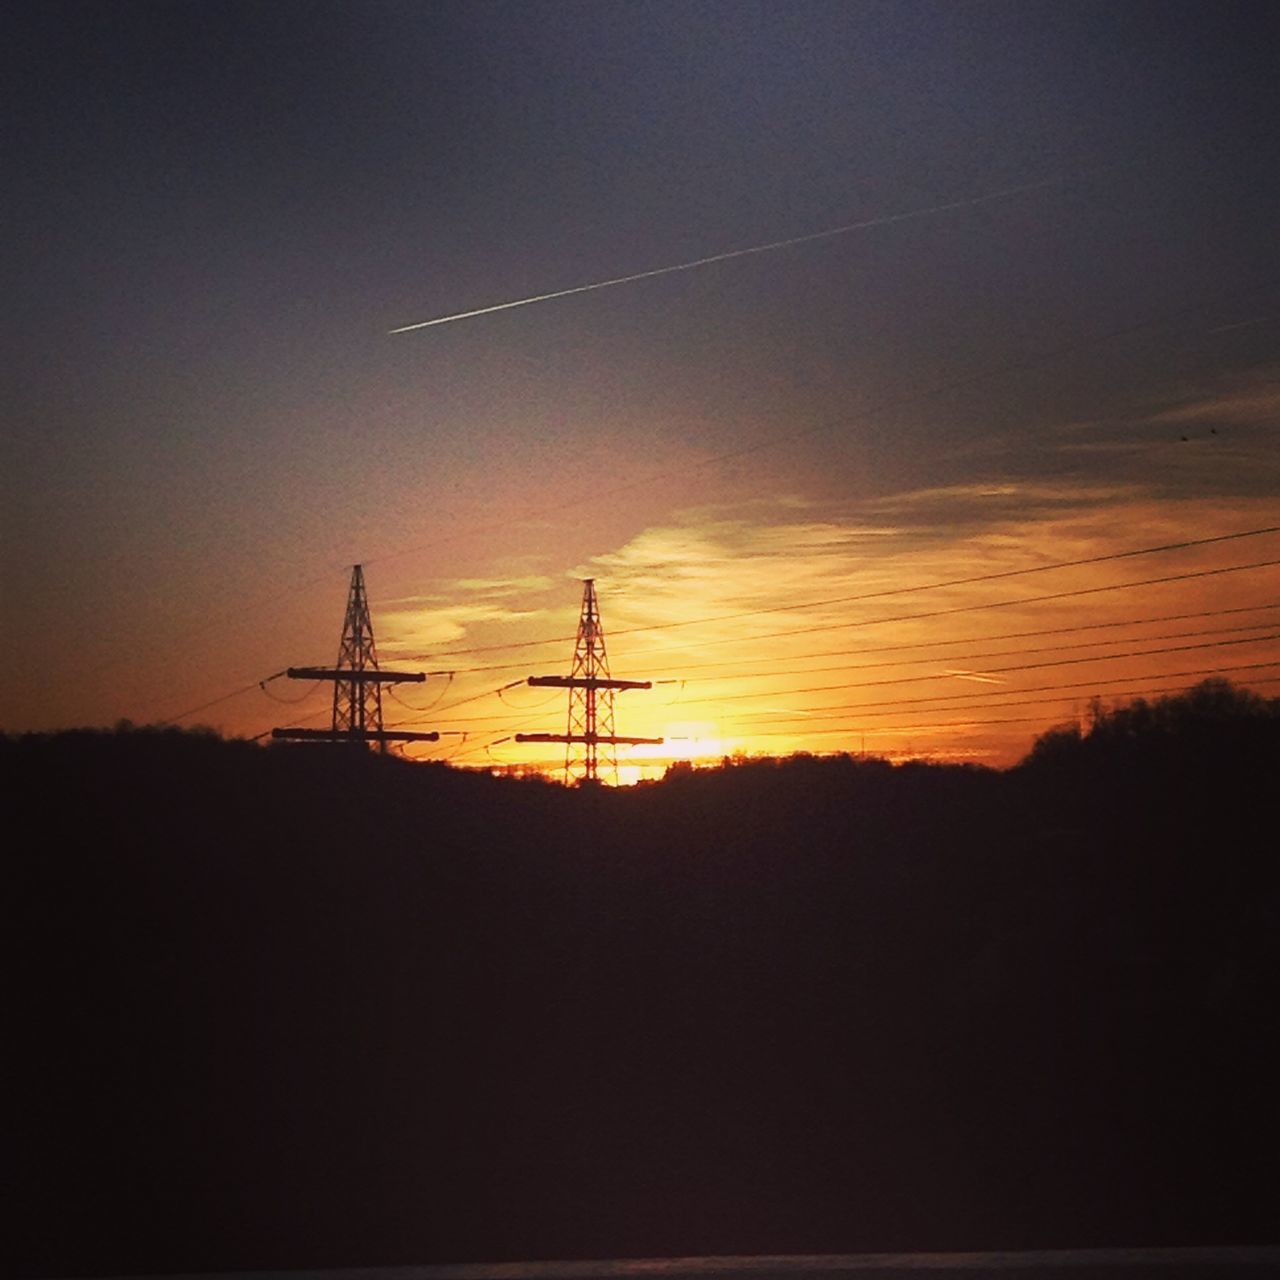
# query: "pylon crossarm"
x,y
586,682
355,735
367,675
587,738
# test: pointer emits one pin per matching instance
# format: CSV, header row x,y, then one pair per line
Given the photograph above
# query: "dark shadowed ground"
x,y
299,1008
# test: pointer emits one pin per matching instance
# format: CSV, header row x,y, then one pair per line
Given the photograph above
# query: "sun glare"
x,y
695,741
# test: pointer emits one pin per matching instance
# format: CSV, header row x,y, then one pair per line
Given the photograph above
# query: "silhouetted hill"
x,y
296,1007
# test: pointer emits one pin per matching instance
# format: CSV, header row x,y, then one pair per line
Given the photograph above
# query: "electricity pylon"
x,y
591,694
357,683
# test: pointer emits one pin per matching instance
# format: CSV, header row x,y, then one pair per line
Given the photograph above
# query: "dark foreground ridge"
x,y
299,1008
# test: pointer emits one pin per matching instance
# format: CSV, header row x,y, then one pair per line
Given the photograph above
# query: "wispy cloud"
x,y
696,577
785,623
414,630
1257,404
1205,439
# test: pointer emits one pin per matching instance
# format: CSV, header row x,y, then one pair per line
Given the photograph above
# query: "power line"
x,y
900,730
1008,635
1044,688
290,702
937,698
972,580
226,697
972,657
461,702
903,706
887,731
901,617
995,604
994,671
311,715
890,648
896,730
395,697
497,739
804,718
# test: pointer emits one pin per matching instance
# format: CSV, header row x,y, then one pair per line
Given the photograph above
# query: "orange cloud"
x,y
748,623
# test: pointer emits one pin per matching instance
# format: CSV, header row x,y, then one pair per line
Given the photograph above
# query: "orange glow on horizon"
x,y
779,626
970,672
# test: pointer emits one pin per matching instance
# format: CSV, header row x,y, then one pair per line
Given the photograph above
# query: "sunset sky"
x,y
217,212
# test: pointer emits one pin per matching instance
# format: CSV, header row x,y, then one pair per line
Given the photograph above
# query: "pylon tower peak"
x,y
590,703
357,703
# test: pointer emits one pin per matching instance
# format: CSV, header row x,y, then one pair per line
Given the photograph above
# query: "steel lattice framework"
x,y
357,683
591,695
357,703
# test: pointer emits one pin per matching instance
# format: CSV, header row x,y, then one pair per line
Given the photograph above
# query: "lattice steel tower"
x,y
591,694
357,683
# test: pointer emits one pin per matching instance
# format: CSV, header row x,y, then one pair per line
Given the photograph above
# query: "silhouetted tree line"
x,y
295,1006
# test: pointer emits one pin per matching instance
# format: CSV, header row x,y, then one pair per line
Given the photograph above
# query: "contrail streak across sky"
x,y
865,225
